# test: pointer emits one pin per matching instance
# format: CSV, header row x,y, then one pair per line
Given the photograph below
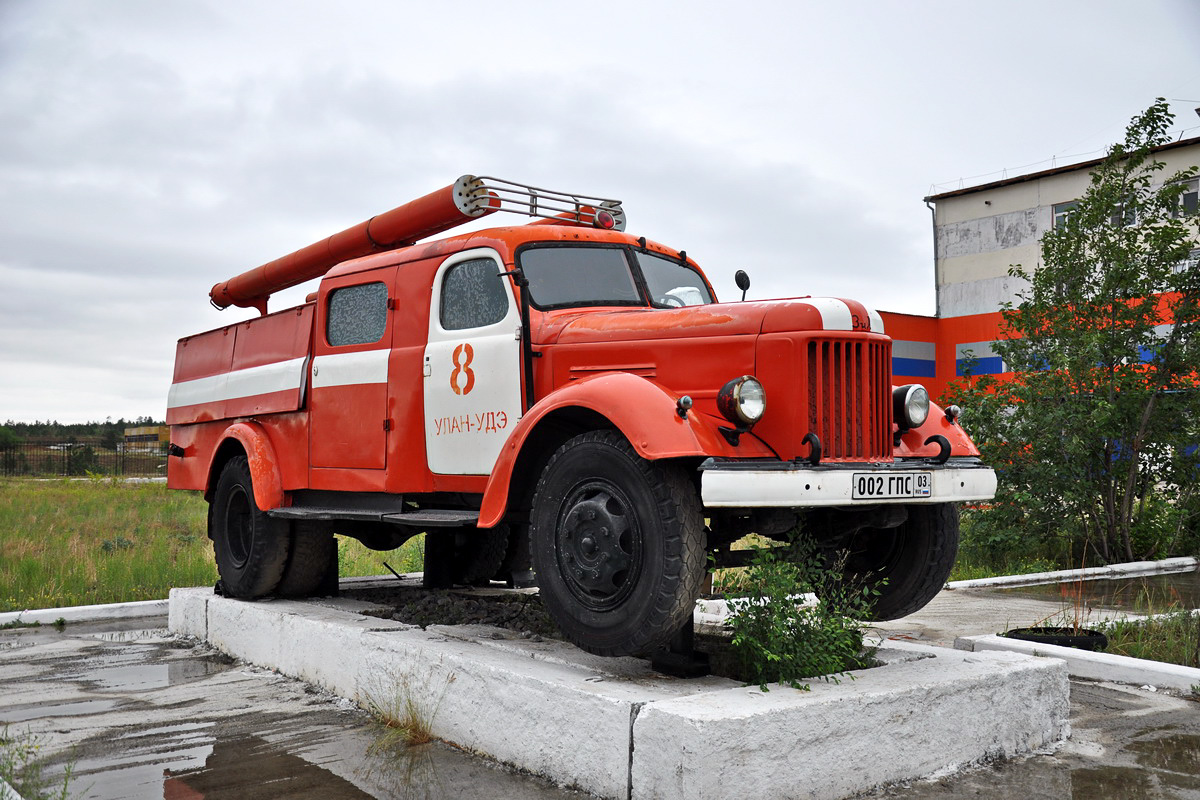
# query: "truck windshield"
x,y
561,276
579,276
671,283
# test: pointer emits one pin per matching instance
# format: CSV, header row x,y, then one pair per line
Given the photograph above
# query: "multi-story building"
x,y
979,232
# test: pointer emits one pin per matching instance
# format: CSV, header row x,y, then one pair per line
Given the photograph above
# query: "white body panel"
x,y
351,369
278,377
472,384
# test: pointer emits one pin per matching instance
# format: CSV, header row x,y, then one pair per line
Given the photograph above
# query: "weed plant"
x,y
406,710
777,640
21,768
79,542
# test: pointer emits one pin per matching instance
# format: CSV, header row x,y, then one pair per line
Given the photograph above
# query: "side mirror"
x,y
742,280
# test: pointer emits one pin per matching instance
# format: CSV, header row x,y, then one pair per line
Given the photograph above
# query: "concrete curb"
x,y
619,730
1095,666
7,792
1126,570
48,616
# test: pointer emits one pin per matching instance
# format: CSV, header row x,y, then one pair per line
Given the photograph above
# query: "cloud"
x,y
149,150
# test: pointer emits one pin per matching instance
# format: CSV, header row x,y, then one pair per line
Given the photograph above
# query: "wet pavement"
x,y
143,714
1126,744
1142,594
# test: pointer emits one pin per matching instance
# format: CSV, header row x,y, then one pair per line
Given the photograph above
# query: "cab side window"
x,y
357,314
473,295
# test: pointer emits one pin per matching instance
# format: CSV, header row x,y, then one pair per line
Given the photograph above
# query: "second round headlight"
x,y
742,401
910,405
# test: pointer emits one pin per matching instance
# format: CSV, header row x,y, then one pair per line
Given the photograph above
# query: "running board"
x,y
430,518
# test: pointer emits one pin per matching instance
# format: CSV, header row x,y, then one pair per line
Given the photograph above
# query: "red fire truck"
x,y
557,399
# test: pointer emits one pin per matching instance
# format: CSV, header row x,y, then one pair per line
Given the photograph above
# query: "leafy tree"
x,y
1094,437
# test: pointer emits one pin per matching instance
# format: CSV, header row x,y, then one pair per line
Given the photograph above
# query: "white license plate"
x,y
876,486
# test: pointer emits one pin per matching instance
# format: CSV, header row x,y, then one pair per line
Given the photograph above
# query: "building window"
x,y
1187,204
1062,211
1124,217
357,314
473,295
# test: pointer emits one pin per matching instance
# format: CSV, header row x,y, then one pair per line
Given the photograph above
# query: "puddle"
x,y
253,769
24,713
144,677
1154,592
130,635
1179,753
1127,783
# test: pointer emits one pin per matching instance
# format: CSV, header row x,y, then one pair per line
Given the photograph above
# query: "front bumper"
x,y
773,484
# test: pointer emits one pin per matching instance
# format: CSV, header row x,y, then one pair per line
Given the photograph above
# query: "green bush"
x,y
777,640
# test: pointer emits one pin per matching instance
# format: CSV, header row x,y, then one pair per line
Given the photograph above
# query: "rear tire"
x,y
915,558
313,554
479,553
618,544
251,548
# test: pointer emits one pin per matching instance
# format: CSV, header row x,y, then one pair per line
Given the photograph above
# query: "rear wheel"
x,y
313,554
618,545
251,548
479,553
908,564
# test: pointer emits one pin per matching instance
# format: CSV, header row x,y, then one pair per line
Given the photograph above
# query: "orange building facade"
x,y
979,233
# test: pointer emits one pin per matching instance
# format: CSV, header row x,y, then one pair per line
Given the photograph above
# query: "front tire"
x,y
251,548
618,545
914,558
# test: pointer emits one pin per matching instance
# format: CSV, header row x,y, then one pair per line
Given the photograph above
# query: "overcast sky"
x,y
150,149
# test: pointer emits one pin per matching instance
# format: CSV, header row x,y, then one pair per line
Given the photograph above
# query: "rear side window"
x,y
473,295
579,276
357,314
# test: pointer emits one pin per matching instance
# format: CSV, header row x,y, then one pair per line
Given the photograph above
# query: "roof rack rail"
x,y
533,201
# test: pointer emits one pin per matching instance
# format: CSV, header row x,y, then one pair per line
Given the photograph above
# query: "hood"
x,y
719,319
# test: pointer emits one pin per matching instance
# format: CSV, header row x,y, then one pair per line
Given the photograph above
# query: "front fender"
x,y
264,466
912,444
643,411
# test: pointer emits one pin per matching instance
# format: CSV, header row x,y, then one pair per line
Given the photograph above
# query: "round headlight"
x,y
742,401
910,405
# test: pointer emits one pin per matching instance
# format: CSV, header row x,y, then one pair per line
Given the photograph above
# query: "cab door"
x,y
351,351
472,369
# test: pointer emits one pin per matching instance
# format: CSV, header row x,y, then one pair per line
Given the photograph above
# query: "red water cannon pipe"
x,y
465,199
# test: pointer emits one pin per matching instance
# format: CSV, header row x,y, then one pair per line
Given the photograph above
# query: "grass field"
x,y
78,542
75,542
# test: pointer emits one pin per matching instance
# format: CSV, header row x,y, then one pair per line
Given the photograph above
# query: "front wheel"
x,y
908,564
251,548
618,545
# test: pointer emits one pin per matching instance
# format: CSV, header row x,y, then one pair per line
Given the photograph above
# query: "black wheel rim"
x,y
598,545
238,529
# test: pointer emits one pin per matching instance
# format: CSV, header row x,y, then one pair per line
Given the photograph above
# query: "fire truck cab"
x,y
557,401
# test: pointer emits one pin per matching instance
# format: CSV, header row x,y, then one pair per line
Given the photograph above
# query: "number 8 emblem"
x,y
463,353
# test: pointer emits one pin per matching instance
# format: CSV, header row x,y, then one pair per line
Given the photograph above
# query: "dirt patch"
x,y
523,613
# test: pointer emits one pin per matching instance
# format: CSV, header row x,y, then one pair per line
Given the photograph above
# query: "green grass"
x,y
1173,637
969,567
66,543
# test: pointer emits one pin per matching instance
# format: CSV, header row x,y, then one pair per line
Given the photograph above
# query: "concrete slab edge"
x,y
1095,666
48,616
1130,569
7,792
514,700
